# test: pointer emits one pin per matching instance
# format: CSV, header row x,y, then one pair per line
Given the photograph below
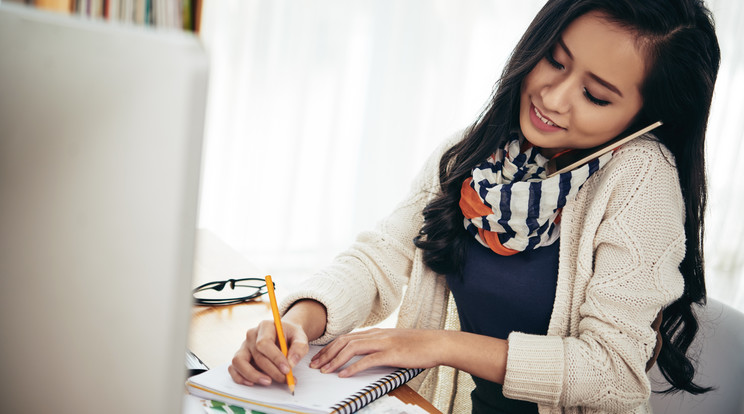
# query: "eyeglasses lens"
x,y
229,289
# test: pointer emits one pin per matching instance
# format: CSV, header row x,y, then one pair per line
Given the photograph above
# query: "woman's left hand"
x,y
410,348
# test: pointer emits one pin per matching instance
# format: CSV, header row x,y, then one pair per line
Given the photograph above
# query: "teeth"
x,y
542,118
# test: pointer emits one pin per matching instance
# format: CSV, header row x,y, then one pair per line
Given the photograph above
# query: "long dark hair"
x,y
683,56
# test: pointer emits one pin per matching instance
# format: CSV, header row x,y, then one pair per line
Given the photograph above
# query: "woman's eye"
x,y
549,57
594,100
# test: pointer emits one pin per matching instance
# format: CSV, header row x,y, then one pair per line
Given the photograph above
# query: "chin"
x,y
533,136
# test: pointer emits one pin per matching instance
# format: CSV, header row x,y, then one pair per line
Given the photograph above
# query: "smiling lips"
x,y
541,122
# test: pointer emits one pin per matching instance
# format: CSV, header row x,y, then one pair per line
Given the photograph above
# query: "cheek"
x,y
524,90
533,81
595,126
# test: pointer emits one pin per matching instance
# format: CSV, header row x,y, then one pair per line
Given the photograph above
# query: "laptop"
x,y
100,138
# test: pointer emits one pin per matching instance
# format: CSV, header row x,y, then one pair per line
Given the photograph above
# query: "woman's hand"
x,y
409,348
479,355
260,360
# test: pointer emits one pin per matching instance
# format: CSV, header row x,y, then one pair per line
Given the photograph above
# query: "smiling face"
x,y
586,90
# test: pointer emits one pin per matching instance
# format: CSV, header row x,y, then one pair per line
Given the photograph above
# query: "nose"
x,y
556,96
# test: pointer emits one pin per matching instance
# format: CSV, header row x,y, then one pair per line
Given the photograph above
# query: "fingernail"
x,y
294,359
265,381
314,364
284,368
343,373
324,369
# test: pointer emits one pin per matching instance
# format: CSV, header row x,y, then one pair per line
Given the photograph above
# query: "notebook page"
x,y
313,390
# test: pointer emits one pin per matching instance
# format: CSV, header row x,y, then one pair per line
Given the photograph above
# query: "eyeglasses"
x,y
229,292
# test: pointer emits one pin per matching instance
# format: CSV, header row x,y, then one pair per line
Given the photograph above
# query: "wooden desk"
x,y
217,332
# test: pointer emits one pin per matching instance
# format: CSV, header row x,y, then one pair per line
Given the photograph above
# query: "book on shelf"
x,y
174,14
315,392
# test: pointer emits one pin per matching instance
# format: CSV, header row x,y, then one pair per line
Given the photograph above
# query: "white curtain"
x,y
724,242
321,112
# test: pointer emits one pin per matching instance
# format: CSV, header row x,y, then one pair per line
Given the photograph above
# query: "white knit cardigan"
x,y
622,240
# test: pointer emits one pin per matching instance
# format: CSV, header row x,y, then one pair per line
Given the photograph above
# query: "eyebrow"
x,y
601,81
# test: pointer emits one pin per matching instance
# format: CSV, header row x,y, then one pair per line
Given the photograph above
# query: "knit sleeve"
x,y
630,244
365,284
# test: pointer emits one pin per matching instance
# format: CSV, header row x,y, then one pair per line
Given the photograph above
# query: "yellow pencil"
x,y
279,330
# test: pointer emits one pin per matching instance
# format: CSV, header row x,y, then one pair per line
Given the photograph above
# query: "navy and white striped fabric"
x,y
524,203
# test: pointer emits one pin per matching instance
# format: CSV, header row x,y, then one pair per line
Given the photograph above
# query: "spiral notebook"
x,y
314,393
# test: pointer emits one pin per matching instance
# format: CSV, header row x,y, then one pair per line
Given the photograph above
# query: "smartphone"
x,y
194,365
576,158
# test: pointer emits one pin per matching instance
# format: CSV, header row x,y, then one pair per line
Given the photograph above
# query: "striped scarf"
x,y
510,206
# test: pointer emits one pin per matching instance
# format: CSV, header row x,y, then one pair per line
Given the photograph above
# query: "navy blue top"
x,y
497,295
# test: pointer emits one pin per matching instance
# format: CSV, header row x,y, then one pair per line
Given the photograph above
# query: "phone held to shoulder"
x,y
572,159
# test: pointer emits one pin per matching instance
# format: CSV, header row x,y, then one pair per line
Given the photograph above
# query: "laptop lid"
x,y
100,139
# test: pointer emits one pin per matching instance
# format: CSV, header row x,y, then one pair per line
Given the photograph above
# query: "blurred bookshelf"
x,y
170,14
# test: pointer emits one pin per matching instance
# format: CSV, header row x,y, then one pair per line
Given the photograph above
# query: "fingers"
x,y
241,376
260,360
412,348
267,356
242,370
368,361
333,348
344,348
298,344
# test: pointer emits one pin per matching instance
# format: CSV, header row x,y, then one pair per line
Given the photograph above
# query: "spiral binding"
x,y
376,390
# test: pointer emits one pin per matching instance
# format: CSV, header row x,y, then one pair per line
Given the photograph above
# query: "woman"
x,y
543,290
